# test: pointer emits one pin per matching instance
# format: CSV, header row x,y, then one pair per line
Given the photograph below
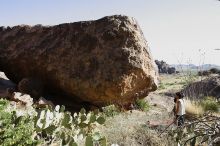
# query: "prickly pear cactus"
x,y
61,125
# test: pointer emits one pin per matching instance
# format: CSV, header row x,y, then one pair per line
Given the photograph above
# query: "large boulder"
x,y
100,62
206,87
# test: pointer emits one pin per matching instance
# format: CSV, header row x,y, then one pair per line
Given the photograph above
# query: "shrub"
x,y
15,130
209,104
196,107
193,107
161,86
199,131
209,72
142,104
111,110
214,70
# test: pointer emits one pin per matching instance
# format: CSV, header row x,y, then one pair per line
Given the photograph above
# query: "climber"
x,y
179,109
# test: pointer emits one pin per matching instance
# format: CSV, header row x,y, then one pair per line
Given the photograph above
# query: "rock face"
x,y
100,62
163,67
207,87
5,83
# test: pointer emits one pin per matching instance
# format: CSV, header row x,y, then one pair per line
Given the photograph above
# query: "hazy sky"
x,y
175,29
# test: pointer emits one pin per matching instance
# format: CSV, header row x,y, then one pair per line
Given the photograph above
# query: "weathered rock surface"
x,y
207,87
5,83
100,62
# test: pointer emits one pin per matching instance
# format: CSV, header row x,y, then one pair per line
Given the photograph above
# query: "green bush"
x,y
142,104
110,111
209,104
15,130
161,86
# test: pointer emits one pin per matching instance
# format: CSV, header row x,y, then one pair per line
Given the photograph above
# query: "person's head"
x,y
179,95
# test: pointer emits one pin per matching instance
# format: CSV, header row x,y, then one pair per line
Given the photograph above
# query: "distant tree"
x,y
214,70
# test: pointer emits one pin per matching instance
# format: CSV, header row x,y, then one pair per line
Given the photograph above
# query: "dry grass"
x,y
130,129
200,107
173,83
170,82
193,108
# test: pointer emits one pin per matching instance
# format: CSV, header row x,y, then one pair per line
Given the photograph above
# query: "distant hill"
x,y
193,67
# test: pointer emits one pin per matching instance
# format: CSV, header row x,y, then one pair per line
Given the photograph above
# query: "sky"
x,y
177,31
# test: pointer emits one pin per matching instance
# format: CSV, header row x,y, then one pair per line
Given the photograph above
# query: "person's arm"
x,y
177,107
176,111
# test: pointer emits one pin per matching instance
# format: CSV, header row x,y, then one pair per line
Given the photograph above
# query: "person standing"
x,y
180,109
